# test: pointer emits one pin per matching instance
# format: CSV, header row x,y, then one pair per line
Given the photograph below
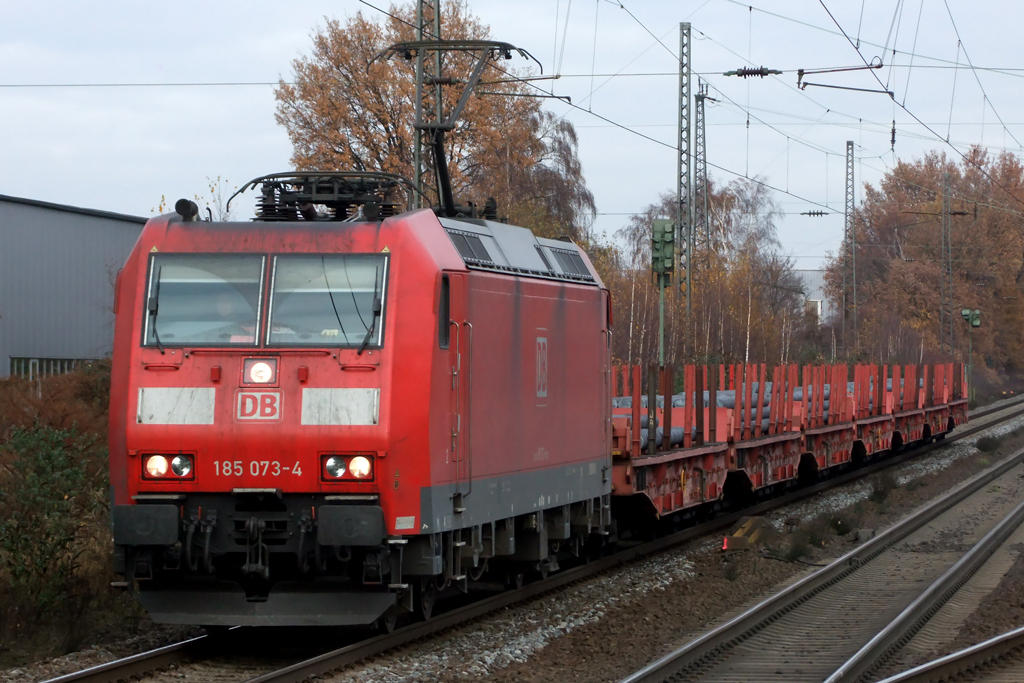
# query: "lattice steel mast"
x,y
946,280
428,72
684,189
701,219
850,256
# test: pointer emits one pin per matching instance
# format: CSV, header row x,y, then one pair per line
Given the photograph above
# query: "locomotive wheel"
x,y
515,580
424,598
387,622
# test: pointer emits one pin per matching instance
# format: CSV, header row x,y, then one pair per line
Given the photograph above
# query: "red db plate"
x,y
261,406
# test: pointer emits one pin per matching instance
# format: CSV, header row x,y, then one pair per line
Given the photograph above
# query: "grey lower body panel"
x,y
510,495
224,604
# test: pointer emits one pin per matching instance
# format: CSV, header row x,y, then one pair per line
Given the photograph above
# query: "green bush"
x,y
53,486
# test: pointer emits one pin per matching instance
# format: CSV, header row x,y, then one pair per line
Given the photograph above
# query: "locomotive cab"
x,y
338,411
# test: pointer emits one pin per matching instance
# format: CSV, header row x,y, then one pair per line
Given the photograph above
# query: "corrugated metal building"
x,y
816,301
57,270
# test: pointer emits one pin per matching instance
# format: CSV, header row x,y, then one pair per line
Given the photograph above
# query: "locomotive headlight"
x,y
156,466
334,467
181,465
259,371
360,467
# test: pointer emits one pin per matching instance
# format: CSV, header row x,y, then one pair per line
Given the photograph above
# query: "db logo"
x,y
258,405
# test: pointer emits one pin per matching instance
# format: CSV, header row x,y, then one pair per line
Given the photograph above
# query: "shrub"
x,y
988,444
841,523
882,485
798,547
55,559
50,502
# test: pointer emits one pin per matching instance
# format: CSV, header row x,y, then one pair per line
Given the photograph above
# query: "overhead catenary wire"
x,y
593,54
725,96
616,124
915,117
910,70
961,46
1008,71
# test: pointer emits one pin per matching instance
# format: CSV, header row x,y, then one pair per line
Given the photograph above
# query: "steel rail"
x,y
709,646
161,658
975,660
990,411
142,664
901,629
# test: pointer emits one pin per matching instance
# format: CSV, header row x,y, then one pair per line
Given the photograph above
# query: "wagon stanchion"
x,y
698,396
652,408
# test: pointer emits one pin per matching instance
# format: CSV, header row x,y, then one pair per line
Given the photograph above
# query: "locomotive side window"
x,y
444,315
203,300
320,300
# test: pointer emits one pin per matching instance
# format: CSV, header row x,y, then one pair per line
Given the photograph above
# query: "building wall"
x,y
814,287
57,270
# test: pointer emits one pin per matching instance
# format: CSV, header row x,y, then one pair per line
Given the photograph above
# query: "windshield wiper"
x,y
376,313
153,307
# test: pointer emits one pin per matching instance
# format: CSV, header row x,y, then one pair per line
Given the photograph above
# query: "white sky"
x,y
121,148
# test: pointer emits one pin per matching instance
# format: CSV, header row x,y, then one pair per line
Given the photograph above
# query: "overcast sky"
x,y
122,148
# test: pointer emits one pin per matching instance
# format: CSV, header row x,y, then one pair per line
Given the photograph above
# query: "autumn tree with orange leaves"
x,y
346,109
900,264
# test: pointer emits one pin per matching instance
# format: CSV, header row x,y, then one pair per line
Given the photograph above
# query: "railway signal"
x,y
663,251
973,319
663,245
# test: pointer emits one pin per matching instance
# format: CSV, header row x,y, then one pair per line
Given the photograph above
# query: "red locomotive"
x,y
323,418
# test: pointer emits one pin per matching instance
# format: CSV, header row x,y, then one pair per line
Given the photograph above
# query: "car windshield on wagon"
x,y
327,300
203,300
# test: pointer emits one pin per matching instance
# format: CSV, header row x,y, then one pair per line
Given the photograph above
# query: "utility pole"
x,y
701,217
684,189
850,255
428,72
946,279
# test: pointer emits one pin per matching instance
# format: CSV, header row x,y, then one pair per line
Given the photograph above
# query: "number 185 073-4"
x,y
257,468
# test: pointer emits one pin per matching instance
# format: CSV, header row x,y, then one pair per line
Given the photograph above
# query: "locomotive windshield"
x,y
327,300
200,300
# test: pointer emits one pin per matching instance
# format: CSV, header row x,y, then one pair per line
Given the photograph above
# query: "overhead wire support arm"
x,y
800,73
564,98
803,86
488,51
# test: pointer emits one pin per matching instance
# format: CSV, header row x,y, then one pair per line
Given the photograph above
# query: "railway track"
x,y
997,660
208,651
840,624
